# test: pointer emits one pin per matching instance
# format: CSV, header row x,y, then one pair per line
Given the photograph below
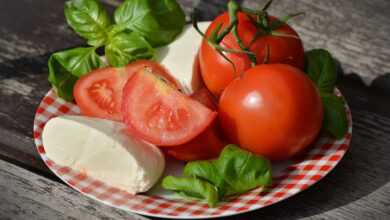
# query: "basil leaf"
x,y
89,19
67,66
206,170
61,80
235,171
192,187
335,118
125,47
321,69
158,21
243,170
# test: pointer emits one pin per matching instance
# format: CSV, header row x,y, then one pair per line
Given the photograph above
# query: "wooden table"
x,y
357,33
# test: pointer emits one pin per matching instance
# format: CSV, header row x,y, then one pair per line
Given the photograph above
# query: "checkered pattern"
x,y
293,177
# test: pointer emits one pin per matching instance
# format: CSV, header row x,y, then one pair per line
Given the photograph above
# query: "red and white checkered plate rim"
x,y
289,178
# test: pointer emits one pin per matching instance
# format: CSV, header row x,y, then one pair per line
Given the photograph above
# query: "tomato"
x,y
208,144
217,72
205,146
160,114
273,110
99,93
204,96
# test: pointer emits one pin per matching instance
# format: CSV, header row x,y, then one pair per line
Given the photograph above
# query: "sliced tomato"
x,y
99,93
205,146
209,143
161,115
204,96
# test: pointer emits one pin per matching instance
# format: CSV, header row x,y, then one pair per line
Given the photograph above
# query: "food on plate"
x,y
180,57
160,114
321,69
227,102
206,145
242,38
99,93
101,149
137,29
236,171
273,110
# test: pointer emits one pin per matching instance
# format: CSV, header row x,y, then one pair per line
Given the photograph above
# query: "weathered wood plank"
x,y
356,32
25,195
373,206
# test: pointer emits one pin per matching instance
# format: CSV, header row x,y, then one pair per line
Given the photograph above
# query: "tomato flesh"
x,y
274,110
161,115
99,93
217,72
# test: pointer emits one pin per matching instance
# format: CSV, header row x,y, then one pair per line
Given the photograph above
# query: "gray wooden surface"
x,y
356,32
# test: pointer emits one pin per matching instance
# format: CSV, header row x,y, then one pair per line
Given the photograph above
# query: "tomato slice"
x,y
161,115
99,93
206,145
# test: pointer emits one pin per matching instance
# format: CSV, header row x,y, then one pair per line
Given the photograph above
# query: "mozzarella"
x,y
179,56
103,150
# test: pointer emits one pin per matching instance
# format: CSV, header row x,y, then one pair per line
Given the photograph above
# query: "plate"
x,y
289,178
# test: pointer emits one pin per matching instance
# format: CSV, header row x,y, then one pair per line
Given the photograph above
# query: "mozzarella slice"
x,y
179,56
103,150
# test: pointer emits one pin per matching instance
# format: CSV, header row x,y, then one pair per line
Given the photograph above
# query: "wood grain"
x,y
356,32
34,197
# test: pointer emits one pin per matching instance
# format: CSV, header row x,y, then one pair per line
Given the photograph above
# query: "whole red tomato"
x,y
273,110
217,72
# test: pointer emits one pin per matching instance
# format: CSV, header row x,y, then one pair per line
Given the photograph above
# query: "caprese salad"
x,y
226,96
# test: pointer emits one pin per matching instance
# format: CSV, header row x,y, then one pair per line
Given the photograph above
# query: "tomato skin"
x,y
209,143
205,146
160,114
87,88
217,73
274,110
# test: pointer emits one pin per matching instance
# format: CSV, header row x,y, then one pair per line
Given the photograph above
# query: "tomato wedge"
x,y
206,145
99,93
161,115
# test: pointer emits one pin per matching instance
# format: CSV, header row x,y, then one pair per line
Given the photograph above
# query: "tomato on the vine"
x,y
279,45
273,110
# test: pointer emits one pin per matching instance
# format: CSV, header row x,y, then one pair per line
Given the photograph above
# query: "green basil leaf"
x,y
67,66
125,47
192,187
61,80
243,170
235,171
158,21
322,69
206,170
335,117
89,19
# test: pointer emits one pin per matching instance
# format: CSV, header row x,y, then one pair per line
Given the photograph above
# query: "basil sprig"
x,y
89,19
157,21
235,171
67,66
125,47
140,25
321,69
